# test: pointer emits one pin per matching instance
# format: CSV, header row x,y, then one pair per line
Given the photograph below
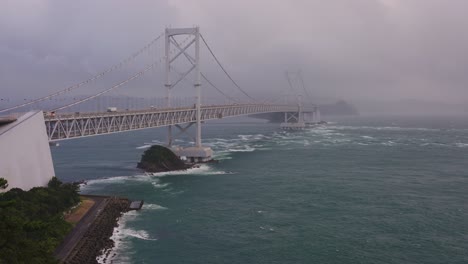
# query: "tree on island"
x,y
3,184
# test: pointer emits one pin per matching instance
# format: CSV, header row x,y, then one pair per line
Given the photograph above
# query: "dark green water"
x,y
361,190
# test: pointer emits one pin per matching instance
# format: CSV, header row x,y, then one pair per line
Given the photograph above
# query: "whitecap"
x,y
160,185
119,236
219,139
143,147
433,144
462,145
140,234
245,137
115,179
390,128
246,149
389,143
201,170
153,207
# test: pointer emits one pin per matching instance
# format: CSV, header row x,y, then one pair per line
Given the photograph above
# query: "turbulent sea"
x,y
359,190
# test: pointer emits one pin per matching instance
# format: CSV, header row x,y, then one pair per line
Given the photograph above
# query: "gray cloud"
x,y
358,50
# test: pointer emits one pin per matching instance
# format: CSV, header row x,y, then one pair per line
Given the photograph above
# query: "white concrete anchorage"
x,y
24,147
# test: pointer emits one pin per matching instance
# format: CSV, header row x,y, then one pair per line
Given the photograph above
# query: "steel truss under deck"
x,y
67,126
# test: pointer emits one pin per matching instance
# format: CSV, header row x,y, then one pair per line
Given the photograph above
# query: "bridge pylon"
x,y
197,153
294,120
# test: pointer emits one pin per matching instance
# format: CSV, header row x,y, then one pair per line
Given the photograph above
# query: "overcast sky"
x,y
352,49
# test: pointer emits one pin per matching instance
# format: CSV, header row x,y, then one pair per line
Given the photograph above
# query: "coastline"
x,y
92,234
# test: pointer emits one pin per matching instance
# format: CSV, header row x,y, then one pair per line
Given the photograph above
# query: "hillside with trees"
x,y
32,223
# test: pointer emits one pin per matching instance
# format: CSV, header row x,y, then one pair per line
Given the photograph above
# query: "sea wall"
x,y
96,239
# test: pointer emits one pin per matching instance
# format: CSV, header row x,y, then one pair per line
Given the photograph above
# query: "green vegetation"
x,y
3,184
31,222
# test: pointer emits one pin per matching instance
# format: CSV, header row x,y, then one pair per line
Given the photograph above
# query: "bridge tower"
x,y
294,120
198,153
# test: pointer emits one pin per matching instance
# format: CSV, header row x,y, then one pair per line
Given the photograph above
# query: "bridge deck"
x,y
67,126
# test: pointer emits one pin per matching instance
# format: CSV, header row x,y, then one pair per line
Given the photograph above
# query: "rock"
x,y
160,159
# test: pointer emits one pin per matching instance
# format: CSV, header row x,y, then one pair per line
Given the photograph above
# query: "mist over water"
x,y
367,189
359,190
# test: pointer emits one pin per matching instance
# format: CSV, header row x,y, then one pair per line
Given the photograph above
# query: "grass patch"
x,y
78,212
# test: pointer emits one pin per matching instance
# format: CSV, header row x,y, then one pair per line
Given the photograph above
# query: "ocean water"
x,y
359,190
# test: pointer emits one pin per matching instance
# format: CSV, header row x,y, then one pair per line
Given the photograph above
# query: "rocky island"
x,y
160,159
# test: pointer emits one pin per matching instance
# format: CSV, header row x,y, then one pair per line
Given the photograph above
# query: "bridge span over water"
x,y
178,62
68,126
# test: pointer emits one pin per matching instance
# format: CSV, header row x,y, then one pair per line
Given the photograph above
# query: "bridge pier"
x,y
294,120
289,124
194,154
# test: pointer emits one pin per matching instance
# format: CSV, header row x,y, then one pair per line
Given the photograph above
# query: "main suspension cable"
x,y
224,70
93,78
119,84
190,59
109,89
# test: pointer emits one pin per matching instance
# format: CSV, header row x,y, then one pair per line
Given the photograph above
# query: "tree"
x,y
54,183
3,184
32,223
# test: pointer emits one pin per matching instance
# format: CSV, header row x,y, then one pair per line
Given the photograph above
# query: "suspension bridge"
x,y
64,122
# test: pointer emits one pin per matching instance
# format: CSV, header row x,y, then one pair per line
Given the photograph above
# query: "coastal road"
x,y
71,240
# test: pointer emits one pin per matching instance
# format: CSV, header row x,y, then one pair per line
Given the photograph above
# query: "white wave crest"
x,y
433,144
143,147
201,170
158,185
140,234
120,237
153,207
389,143
390,128
245,149
245,137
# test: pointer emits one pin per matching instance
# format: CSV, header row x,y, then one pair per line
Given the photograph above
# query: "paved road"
x,y
70,241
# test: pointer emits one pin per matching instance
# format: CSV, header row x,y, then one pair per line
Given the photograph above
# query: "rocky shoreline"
x,y
96,238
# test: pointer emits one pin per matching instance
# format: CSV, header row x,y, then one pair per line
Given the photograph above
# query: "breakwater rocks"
x,y
96,238
161,159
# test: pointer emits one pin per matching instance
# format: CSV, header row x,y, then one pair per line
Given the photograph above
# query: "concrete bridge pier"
x,y
294,120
